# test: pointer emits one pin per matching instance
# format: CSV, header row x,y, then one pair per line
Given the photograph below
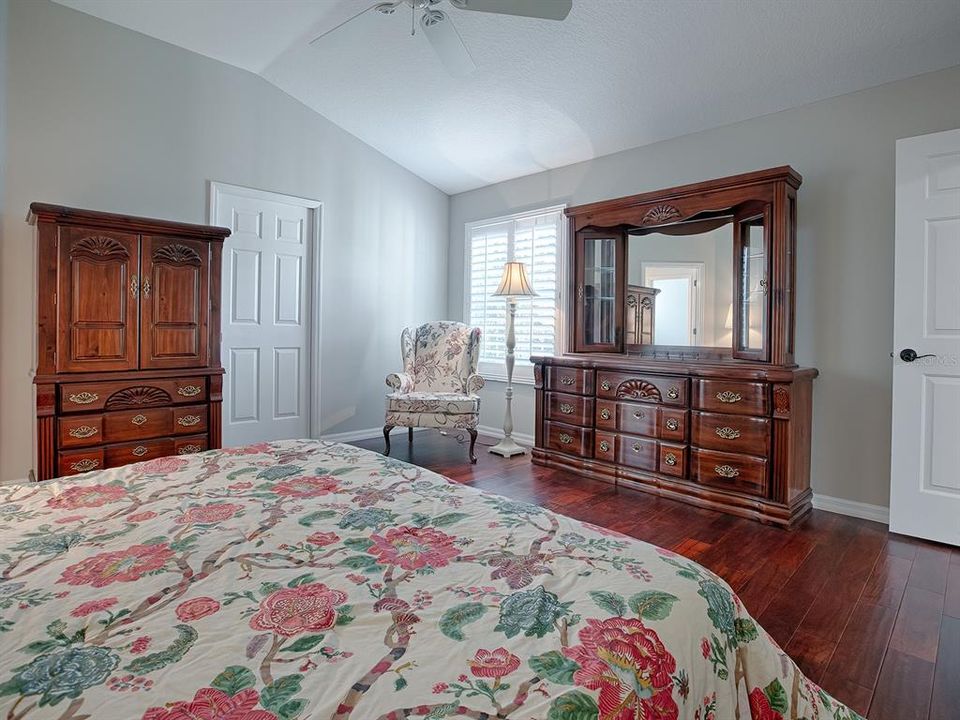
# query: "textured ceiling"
x,y
615,74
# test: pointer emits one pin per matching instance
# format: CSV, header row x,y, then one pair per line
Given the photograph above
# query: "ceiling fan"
x,y
438,26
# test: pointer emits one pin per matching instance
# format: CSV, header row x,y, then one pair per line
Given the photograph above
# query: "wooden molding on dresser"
x,y
726,428
128,338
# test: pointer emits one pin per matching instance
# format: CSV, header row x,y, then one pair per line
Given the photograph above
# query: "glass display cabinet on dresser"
x,y
681,380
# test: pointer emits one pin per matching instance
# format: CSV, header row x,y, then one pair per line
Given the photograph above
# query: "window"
x,y
535,239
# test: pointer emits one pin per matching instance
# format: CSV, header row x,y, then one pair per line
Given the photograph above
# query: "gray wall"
x,y
105,118
844,147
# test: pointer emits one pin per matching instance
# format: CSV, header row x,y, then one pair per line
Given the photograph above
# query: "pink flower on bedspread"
x,y
626,661
117,566
213,704
412,548
493,663
323,538
164,465
209,514
307,487
291,611
86,496
197,608
140,517
93,606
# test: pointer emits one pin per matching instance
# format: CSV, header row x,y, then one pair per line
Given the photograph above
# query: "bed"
x,y
305,579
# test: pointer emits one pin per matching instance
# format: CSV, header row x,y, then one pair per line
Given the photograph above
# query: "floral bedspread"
x,y
305,579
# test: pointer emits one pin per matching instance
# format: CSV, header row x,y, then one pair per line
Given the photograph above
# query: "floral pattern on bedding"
x,y
305,579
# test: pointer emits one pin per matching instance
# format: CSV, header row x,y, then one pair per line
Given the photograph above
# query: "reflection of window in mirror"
x,y
694,276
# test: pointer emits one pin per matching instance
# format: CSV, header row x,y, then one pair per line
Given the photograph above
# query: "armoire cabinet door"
x,y
174,299
97,304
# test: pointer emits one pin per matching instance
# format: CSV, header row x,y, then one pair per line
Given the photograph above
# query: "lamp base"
x,y
507,448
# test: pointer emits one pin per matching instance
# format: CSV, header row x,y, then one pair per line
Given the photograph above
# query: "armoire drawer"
x,y
129,425
574,409
189,420
644,388
131,395
731,433
79,431
569,439
126,453
735,398
729,471
188,445
72,462
637,452
569,380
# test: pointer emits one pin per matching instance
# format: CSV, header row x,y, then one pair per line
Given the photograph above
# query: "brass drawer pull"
x,y
638,414
84,431
84,398
637,447
565,439
729,397
187,449
191,420
138,419
673,393
727,433
565,408
670,459
604,446
605,385
188,390
604,414
727,471
85,465
140,451
673,424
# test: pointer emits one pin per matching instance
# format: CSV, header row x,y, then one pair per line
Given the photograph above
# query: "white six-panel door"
x,y
266,315
925,465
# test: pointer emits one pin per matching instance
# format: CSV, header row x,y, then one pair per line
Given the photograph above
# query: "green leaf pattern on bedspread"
x,y
305,579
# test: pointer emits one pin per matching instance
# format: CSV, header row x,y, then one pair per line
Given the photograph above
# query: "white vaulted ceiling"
x,y
615,74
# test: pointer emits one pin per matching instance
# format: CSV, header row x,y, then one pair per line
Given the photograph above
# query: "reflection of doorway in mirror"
x,y
679,307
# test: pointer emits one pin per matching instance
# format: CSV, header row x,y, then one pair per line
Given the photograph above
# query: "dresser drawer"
x,y
605,446
575,409
189,420
80,431
188,445
131,395
637,419
729,471
80,461
569,380
731,433
128,425
673,459
735,398
126,453
637,452
606,415
569,439
646,388
673,424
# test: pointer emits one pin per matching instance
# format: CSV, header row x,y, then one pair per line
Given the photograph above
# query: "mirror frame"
x,y
770,192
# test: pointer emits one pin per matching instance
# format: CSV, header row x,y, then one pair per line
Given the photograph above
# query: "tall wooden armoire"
x,y
128,354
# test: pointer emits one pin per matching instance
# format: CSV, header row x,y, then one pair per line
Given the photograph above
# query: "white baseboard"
x,y
521,438
365,434
864,511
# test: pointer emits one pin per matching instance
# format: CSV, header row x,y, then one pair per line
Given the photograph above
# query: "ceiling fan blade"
x,y
386,8
446,42
546,9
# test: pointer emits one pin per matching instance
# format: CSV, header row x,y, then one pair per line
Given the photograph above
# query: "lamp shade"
x,y
515,282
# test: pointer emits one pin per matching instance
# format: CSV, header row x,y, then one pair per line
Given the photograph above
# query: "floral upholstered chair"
x,y
439,383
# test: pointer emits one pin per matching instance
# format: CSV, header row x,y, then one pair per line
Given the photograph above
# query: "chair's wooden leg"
x,y
410,434
473,444
386,438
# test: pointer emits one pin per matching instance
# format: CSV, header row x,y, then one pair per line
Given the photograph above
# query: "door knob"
x,y
909,355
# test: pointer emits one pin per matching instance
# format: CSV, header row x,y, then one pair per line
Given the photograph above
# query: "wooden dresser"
x,y
128,337
724,424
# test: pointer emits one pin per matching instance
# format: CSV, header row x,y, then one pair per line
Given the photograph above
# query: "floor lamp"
x,y
514,284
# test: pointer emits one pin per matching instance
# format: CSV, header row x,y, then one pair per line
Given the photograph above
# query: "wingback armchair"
x,y
439,383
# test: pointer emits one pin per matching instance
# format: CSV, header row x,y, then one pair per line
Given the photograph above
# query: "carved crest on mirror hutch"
x,y
681,378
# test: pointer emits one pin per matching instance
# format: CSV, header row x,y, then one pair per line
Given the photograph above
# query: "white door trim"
x,y
315,210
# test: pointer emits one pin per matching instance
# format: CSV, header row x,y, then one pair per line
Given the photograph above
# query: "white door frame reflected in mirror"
x,y
657,274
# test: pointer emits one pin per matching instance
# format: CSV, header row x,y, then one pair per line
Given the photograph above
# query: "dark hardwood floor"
x,y
871,616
